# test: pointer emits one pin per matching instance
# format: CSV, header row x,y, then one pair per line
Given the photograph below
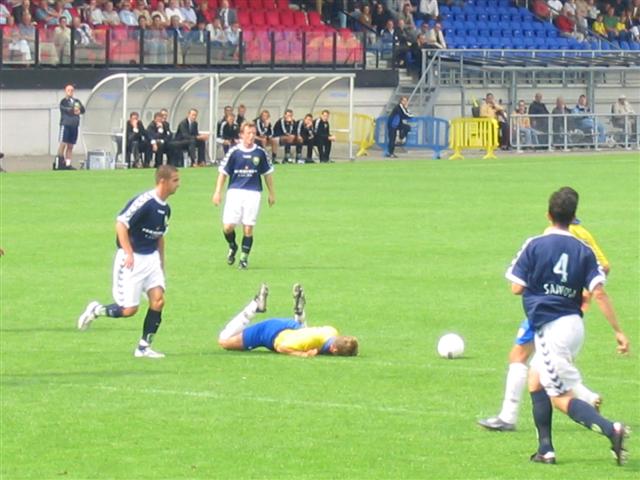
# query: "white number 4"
x,y
560,267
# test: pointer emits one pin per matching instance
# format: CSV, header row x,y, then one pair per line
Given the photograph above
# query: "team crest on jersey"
x,y
255,160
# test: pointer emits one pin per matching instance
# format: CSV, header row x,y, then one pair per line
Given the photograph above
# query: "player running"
x,y
523,348
243,165
550,272
289,336
139,263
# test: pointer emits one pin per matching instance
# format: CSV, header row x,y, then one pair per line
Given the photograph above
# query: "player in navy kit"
x,y
139,262
243,165
70,111
550,272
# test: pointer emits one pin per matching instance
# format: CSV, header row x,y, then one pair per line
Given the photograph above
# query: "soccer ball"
x,y
450,346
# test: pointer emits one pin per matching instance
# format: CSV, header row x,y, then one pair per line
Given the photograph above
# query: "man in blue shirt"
x,y
139,264
396,125
243,164
550,272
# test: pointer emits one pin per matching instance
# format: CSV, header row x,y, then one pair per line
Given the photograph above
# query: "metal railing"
x,y
575,130
135,48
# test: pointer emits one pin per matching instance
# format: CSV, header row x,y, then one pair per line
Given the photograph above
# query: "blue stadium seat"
x,y
456,9
472,32
483,17
507,32
517,42
516,32
471,17
550,33
419,23
444,9
502,10
494,17
540,34
635,46
504,17
449,32
528,33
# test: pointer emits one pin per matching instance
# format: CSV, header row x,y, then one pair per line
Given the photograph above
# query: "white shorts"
x,y
241,207
130,283
557,345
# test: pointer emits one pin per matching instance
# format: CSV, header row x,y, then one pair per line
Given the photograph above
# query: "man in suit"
x,y
226,15
160,138
188,137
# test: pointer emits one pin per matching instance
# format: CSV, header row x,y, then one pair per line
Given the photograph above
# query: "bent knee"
x,y
157,303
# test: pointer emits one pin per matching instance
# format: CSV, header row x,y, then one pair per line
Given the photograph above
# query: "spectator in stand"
x,y
415,63
428,10
22,38
380,17
173,10
204,12
523,125
19,9
227,16
142,10
562,125
592,12
233,39
588,123
155,42
62,39
582,14
127,17
610,21
109,15
367,21
218,39
568,28
137,143
541,124
555,6
175,29
623,115
403,41
159,11
44,14
4,14
388,36
198,35
188,13
619,6
394,7
439,36
83,35
491,109
598,26
623,26
60,11
92,14
409,24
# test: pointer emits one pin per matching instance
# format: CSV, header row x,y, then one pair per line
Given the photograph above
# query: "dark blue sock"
x,y
151,325
247,242
584,414
114,310
231,239
542,415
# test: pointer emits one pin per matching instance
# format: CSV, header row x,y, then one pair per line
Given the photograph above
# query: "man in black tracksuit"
x,y
323,136
396,123
284,132
70,111
305,137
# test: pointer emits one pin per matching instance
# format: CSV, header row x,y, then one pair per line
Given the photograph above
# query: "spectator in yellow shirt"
x,y
523,125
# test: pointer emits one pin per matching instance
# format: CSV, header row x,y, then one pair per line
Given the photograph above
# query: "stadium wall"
x,y
30,118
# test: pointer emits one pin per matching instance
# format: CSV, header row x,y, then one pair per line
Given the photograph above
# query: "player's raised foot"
x,y
549,458
299,300
496,424
231,256
261,298
146,352
88,316
620,432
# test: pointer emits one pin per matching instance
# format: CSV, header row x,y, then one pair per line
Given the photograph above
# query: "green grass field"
x,y
396,253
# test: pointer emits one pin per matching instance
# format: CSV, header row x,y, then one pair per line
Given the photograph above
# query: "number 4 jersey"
x,y
554,268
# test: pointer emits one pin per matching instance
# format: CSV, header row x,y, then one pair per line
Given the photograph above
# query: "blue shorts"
x,y
68,134
525,333
263,334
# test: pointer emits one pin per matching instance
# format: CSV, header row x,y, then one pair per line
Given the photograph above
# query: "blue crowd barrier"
x,y
426,132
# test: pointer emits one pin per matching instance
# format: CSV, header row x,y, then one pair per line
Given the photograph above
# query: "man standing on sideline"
x,y
139,262
243,164
550,272
396,124
70,111
323,137
188,136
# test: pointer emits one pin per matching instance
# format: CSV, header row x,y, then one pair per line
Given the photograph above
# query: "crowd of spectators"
x,y
613,20
562,126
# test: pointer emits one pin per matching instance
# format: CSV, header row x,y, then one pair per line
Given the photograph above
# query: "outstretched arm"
x,y
606,308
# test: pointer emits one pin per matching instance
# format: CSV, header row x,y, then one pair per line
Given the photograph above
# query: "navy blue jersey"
x,y
147,218
244,166
554,268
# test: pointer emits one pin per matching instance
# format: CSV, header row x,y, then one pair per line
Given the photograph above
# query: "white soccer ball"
x,y
450,346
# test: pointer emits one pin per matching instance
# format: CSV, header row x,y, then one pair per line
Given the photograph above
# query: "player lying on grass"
x,y
290,336
523,348
550,272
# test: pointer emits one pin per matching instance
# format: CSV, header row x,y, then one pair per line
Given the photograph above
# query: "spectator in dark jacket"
x,y
137,142
188,137
323,137
540,124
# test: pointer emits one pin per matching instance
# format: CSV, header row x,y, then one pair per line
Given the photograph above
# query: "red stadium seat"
x,y
242,4
255,4
268,5
257,18
244,19
272,18
282,4
286,18
314,18
299,19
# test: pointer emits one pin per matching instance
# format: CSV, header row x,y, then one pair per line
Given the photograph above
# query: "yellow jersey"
x,y
305,339
578,231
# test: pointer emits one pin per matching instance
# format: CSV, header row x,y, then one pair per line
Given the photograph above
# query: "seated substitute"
x,y
229,132
264,131
188,137
137,142
284,134
323,137
305,136
160,139
289,336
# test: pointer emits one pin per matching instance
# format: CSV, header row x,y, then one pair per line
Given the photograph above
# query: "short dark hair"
x,y
563,205
165,172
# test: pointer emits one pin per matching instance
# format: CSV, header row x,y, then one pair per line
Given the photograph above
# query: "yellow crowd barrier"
x,y
473,133
363,129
